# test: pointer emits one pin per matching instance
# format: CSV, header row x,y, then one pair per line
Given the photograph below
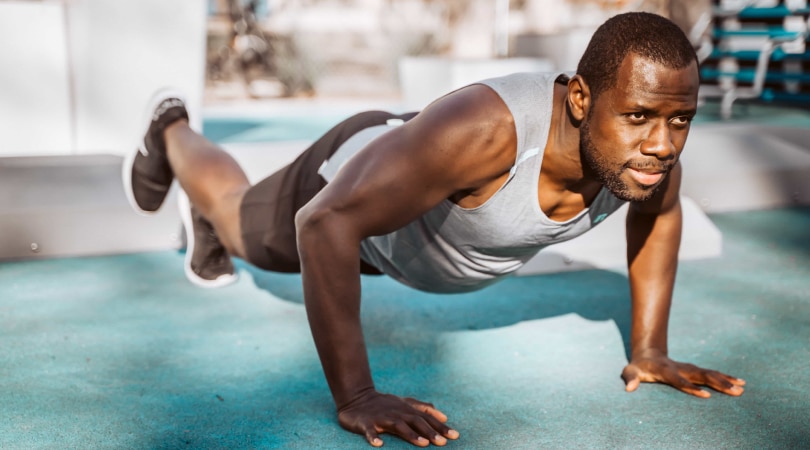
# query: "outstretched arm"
x,y
653,240
458,144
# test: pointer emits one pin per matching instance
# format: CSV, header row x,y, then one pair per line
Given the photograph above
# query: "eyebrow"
x,y
686,112
691,112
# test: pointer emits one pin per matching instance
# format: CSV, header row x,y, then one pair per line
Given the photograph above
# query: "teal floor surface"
x,y
123,352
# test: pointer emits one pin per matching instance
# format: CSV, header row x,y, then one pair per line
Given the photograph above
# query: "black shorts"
x,y
268,209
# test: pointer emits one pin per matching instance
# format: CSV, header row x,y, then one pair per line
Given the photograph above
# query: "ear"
x,y
579,98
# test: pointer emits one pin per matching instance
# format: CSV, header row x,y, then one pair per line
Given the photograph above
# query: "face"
x,y
633,134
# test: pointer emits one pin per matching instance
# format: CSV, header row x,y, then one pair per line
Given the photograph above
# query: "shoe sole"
x,y
129,161
185,215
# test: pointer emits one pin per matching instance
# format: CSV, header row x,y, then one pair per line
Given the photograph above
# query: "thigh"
x,y
267,213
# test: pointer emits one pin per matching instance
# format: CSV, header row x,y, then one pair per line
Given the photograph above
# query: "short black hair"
x,y
645,34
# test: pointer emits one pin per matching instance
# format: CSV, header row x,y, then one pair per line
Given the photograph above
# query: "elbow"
x,y
308,220
320,229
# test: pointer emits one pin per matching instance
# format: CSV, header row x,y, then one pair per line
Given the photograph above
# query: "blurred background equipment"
x,y
410,49
759,52
241,49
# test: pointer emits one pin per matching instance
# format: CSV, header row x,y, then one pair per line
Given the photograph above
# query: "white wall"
x,y
34,81
76,74
425,79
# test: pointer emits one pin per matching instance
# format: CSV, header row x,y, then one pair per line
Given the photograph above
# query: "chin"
x,y
634,193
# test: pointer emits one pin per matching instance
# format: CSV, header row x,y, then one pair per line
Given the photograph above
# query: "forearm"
x,y
652,254
331,279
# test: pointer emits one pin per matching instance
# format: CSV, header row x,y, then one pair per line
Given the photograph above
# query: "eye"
x,y
636,117
681,121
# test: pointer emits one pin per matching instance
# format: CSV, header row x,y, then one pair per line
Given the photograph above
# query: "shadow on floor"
x,y
596,295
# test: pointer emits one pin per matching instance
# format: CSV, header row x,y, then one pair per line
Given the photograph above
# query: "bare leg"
x,y
212,179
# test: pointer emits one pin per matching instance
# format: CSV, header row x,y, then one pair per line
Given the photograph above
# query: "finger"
x,y
434,415
723,383
443,430
683,385
426,408
737,381
735,391
430,428
716,380
723,386
404,430
630,374
373,438
696,374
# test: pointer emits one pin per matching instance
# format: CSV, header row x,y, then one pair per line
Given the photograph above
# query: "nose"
x,y
659,142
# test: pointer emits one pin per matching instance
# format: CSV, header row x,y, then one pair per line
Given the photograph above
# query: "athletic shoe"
x,y
207,263
146,174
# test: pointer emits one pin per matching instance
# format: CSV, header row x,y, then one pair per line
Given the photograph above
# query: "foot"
x,y
147,174
207,262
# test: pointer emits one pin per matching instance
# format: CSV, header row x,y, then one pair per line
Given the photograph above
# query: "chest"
x,y
560,204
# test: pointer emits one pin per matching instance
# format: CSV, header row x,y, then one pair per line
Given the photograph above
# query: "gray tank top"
x,y
455,249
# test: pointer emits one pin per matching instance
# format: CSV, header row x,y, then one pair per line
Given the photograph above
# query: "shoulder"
x,y
520,81
465,136
474,105
474,116
473,126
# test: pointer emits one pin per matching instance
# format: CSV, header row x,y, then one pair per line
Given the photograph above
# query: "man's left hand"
x,y
682,376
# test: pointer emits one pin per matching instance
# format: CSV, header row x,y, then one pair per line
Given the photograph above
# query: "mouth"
x,y
646,177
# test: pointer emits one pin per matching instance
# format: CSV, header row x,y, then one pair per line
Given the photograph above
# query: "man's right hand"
x,y
417,422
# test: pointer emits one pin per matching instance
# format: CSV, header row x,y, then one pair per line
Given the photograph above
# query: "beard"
x,y
596,165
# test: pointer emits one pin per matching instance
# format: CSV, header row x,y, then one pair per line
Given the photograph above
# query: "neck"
x,y
562,165
564,190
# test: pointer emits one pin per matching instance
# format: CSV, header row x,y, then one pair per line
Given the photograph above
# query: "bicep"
x,y
384,187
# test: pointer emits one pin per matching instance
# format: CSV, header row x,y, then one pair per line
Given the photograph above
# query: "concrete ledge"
x,y
64,206
426,78
742,166
605,247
